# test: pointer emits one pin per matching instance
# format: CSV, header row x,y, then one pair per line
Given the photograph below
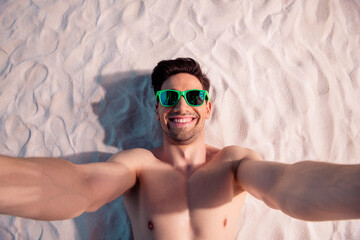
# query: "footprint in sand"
x,y
18,134
26,102
36,46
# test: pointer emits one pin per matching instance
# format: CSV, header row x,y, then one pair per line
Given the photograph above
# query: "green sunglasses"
x,y
193,97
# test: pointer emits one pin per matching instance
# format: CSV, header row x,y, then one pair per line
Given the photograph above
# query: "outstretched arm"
x,y
54,189
312,191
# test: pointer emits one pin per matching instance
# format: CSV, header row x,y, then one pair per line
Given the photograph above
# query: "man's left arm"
x,y
312,191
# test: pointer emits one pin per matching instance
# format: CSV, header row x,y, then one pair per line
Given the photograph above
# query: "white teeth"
x,y
181,120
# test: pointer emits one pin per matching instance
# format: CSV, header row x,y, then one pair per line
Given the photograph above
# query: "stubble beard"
x,y
179,136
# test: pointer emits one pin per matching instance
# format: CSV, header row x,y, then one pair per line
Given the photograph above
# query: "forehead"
x,y
181,82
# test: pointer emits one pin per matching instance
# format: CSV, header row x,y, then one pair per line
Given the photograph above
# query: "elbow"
x,y
93,207
91,203
295,210
305,211
288,202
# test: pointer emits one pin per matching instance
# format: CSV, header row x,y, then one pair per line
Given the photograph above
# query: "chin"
x,y
183,139
177,141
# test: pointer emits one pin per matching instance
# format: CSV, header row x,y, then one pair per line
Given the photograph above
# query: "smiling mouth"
x,y
181,120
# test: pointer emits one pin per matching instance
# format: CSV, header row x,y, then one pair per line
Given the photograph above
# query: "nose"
x,y
181,106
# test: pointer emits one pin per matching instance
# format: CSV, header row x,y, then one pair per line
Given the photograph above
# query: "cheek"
x,y
161,113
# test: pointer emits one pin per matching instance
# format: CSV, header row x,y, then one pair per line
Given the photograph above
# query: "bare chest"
x,y
165,199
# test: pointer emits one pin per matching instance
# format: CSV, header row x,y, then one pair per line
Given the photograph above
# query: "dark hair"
x,y
167,68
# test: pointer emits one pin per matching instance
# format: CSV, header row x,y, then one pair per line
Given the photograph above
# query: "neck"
x,y
185,158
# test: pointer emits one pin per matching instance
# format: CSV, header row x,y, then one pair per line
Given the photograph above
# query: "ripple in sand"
x,y
77,59
133,11
184,31
43,3
37,46
230,55
6,234
26,102
140,41
351,11
56,136
108,20
265,58
18,134
159,31
4,61
11,13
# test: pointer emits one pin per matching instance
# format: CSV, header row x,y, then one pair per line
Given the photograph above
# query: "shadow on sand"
x,y
127,114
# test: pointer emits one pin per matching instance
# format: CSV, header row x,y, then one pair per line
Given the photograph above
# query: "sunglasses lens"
x,y
168,98
195,97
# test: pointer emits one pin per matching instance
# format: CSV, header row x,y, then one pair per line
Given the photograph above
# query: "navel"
x,y
150,225
225,222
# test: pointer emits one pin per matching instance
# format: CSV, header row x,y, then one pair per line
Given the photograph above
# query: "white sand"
x,y
285,77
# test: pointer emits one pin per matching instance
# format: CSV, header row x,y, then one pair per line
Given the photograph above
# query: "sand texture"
x,y
75,83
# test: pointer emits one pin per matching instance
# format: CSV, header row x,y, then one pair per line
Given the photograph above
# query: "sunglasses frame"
x,y
182,93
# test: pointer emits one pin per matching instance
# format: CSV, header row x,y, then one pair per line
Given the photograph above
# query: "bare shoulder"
x,y
133,159
132,153
233,153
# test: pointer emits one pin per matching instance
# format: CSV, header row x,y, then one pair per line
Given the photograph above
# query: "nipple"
x,y
150,225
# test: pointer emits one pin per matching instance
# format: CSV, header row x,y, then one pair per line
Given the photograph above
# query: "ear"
x,y
208,110
157,112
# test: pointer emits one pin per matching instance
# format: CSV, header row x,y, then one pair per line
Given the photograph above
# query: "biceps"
x,y
108,181
260,179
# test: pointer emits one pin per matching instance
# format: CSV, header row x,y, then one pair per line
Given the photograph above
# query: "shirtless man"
x,y
183,189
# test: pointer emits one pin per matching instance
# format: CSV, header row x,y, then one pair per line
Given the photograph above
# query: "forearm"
x,y
320,191
40,188
307,190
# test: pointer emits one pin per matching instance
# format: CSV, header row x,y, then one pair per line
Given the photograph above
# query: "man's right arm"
x,y
55,189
